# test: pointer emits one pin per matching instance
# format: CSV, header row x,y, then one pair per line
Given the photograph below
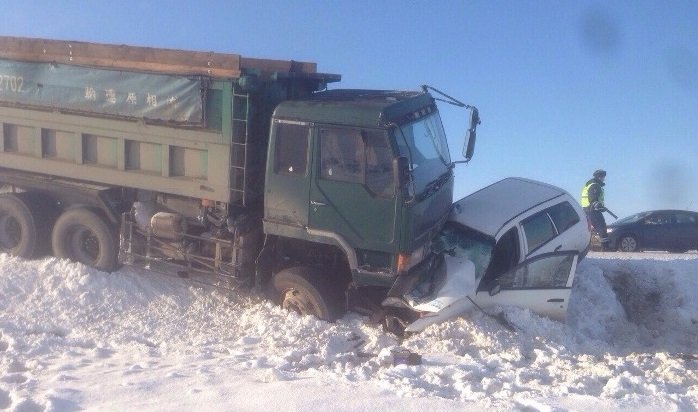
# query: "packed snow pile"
x,y
72,338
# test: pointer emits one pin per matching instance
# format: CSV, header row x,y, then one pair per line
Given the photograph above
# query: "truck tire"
x,y
305,291
18,228
83,236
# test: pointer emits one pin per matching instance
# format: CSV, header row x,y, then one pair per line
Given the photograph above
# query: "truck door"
x,y
352,191
288,175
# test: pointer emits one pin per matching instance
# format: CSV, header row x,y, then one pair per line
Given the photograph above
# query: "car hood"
x,y
622,225
489,209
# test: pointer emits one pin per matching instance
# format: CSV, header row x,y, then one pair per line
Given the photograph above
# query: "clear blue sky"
x,y
563,87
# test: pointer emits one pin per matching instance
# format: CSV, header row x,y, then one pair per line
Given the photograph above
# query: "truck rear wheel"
x,y
305,291
83,236
18,228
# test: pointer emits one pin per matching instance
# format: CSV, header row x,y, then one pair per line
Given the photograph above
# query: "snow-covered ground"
x,y
72,338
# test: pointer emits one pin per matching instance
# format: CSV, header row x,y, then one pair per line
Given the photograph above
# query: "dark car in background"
x,y
671,230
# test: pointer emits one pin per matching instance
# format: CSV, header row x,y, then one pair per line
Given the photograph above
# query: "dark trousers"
x,y
599,224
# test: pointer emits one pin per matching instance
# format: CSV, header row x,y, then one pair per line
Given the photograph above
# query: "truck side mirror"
x,y
469,143
403,170
403,177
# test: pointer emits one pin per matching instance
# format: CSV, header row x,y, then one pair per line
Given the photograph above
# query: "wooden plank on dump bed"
x,y
270,66
137,58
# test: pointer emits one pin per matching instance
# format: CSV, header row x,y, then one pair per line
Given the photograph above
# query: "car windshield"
x,y
424,143
632,218
459,241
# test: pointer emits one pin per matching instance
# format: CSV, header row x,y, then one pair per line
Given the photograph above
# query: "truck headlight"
x,y
406,262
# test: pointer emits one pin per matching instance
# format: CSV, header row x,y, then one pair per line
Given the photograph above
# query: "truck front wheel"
x,y
18,229
305,291
82,236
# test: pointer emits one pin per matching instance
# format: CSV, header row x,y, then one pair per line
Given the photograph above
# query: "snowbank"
x,y
73,338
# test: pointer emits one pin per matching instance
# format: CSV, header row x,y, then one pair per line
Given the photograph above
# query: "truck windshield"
x,y
424,143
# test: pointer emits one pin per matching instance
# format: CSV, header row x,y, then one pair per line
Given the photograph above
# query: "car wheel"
x,y
305,291
628,243
82,236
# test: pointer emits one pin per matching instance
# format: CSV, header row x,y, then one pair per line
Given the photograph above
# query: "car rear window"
x,y
564,216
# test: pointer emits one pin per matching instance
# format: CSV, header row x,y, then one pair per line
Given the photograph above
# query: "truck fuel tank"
x,y
171,226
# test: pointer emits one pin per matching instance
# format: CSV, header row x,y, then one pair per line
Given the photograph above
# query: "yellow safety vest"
x,y
585,195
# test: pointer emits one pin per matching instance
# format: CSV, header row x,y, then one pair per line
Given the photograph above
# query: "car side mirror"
x,y
495,288
470,134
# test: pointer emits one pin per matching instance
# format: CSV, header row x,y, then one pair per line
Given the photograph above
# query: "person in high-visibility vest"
x,y
593,203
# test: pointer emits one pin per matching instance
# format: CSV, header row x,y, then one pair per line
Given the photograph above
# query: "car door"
x,y
352,192
685,230
542,284
656,232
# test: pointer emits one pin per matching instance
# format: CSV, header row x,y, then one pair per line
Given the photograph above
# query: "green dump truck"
x,y
245,169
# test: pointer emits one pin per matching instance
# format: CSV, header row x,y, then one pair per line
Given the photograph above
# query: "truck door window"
x,y
291,155
342,155
379,165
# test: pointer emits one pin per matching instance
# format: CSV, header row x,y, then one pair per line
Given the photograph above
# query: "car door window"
x,y
543,272
658,219
685,218
542,284
563,215
538,230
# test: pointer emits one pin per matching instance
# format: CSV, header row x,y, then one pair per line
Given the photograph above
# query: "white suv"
x,y
516,242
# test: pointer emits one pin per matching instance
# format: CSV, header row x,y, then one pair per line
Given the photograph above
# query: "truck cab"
x,y
366,173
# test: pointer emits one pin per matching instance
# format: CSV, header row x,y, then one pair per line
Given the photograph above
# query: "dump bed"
x,y
181,122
